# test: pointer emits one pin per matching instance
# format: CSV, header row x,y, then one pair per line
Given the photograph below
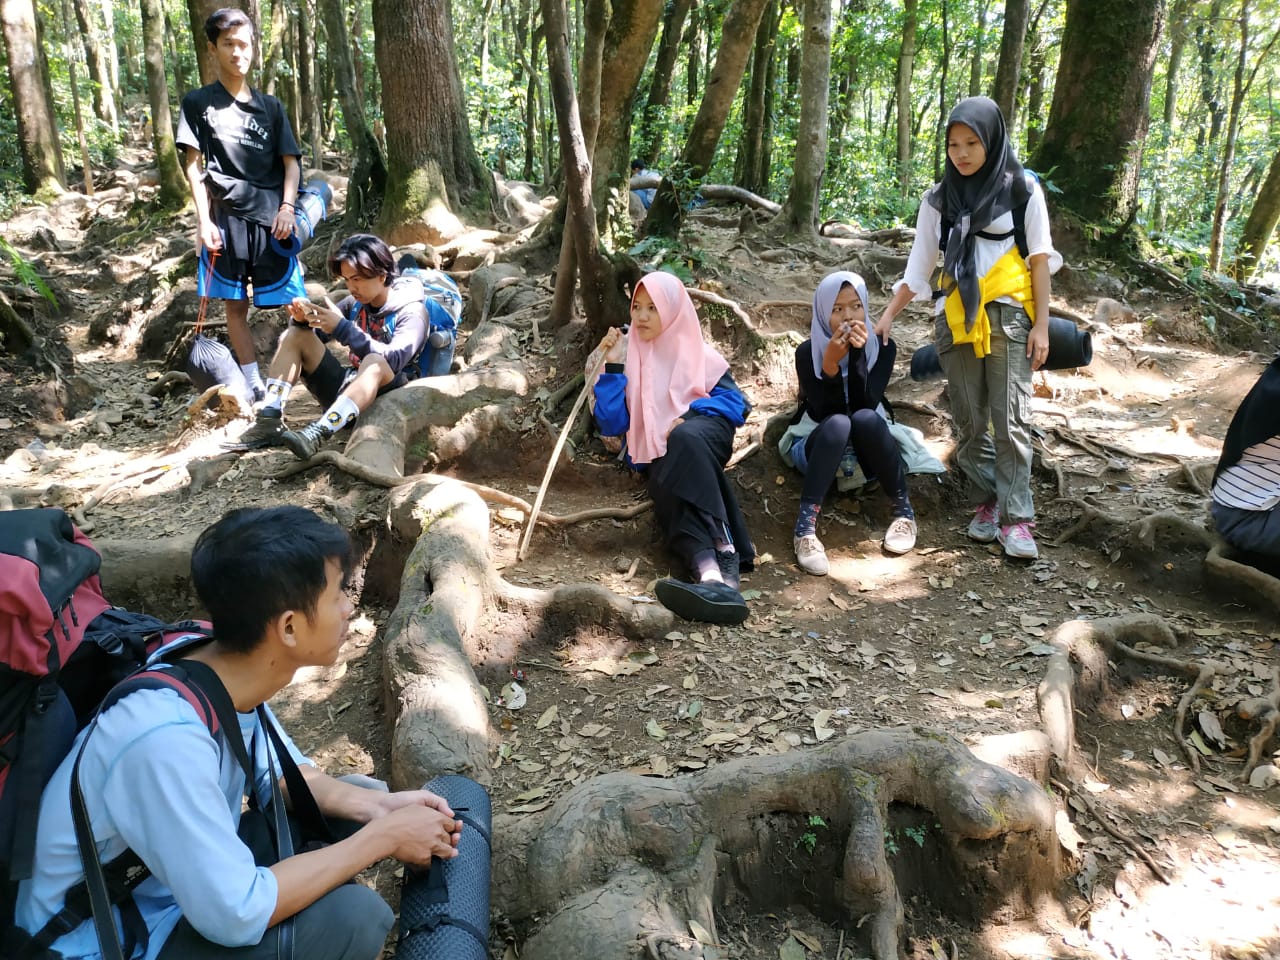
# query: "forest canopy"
x,y
1153,119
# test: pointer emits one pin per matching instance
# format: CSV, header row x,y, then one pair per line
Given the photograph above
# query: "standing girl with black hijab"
x,y
992,324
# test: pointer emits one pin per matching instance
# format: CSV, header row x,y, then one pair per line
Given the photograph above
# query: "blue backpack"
x,y
444,310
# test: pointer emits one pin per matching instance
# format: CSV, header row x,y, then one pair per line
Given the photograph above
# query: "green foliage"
x,y
662,253
26,273
809,839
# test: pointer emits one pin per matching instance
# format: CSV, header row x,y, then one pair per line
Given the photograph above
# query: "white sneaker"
x,y
1018,541
901,535
985,524
810,555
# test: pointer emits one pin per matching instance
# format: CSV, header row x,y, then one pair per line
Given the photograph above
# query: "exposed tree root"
x,y
451,405
1266,711
622,863
1100,448
492,494
1258,586
1089,644
706,296
1105,822
448,584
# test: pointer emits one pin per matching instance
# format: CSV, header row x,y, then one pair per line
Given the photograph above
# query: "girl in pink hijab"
x,y
671,394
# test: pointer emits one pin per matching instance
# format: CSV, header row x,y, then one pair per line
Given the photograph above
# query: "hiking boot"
x,y
810,555
901,535
985,525
305,443
709,602
729,567
1018,541
267,428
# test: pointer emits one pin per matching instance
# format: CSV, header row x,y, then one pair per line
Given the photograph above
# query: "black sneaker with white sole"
x,y
265,432
305,443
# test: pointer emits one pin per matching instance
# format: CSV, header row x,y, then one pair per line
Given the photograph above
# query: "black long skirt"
x,y
693,500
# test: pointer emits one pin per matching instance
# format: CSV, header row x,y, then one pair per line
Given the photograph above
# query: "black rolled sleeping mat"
x,y
444,910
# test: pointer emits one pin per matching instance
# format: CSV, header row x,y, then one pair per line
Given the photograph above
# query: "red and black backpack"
x,y
63,648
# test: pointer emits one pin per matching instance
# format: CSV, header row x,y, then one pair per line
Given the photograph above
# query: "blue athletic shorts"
x,y
247,258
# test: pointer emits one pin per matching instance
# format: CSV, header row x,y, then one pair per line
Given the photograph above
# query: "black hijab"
x,y
971,203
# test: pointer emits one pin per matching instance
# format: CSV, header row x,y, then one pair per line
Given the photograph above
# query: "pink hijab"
x,y
665,375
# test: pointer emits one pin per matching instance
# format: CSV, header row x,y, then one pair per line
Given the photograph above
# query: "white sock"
x,y
277,394
251,375
343,411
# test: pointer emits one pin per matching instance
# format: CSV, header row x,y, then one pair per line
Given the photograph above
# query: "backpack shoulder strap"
x,y
98,889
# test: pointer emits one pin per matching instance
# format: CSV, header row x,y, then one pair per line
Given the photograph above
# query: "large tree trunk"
x,y
603,300
648,140
1261,223
902,88
42,168
176,41
1005,89
632,29
308,88
432,167
1179,32
1238,88
273,48
751,172
173,185
109,41
737,35
70,45
104,101
1099,115
693,40
369,170
198,11
799,217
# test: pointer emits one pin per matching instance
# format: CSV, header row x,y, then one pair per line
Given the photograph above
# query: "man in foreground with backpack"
x,y
155,781
385,321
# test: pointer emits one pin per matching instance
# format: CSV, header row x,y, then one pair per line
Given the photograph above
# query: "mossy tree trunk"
x,y
1098,120
1004,91
42,169
603,300
1261,224
173,185
369,170
649,134
799,216
432,167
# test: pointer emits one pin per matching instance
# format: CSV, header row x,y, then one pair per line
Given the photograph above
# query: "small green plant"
x,y
890,843
916,833
809,839
26,273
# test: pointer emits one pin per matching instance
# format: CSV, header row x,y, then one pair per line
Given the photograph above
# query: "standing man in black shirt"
x,y
245,193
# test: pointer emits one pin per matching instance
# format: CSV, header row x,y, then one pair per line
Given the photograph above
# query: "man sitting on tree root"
x,y
384,321
1246,484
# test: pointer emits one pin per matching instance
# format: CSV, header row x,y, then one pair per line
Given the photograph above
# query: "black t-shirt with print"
x,y
243,144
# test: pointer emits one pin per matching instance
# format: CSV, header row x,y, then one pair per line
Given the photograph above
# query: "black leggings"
x,y
868,433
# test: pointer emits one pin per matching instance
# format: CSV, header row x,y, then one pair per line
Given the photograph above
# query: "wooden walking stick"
x,y
555,456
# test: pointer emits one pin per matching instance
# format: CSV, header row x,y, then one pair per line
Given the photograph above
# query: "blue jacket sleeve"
x,y
611,411
406,343
726,401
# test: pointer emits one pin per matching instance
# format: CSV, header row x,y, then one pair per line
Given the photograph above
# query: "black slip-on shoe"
x,y
704,602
